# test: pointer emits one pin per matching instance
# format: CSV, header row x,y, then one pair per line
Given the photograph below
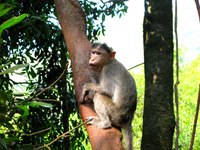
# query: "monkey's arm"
x,y
95,88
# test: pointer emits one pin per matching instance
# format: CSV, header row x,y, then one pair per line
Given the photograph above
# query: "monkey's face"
x,y
98,59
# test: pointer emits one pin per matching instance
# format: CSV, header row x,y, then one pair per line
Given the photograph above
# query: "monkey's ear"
x,y
112,54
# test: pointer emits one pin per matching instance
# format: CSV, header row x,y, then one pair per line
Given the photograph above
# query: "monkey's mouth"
x,y
94,67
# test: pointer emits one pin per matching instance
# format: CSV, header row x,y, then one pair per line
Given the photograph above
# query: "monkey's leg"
x,y
102,106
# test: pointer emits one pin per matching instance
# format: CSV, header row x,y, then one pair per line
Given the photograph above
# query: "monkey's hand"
x,y
85,93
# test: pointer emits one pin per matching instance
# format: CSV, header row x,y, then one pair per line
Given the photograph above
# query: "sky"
x,y
125,34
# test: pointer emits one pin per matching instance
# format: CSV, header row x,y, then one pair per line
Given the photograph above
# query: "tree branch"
x,y
195,121
198,7
61,136
47,88
31,134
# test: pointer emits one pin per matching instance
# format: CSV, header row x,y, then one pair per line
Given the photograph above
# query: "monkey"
x,y
114,93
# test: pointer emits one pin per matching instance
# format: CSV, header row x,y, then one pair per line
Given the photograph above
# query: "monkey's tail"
x,y
128,139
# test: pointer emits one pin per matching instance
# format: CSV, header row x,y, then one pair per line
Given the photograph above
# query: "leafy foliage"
x,y
33,55
138,74
10,22
12,69
96,11
34,48
188,94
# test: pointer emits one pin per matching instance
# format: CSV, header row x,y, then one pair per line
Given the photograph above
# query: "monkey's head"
x,y
100,55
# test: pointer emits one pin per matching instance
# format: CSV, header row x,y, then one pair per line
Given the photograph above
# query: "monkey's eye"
x,y
95,53
98,53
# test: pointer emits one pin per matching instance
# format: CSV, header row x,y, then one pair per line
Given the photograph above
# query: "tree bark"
x,y
158,119
72,21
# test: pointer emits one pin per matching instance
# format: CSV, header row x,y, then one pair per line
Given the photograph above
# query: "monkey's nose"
x,y
91,61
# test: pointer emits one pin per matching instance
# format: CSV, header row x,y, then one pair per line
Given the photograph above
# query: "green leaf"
x,y
3,12
1,67
32,73
2,6
25,111
11,22
42,104
12,69
3,143
103,17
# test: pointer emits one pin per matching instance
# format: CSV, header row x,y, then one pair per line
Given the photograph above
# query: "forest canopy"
x,y
37,96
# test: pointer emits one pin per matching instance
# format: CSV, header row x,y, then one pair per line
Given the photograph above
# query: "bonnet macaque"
x,y
115,95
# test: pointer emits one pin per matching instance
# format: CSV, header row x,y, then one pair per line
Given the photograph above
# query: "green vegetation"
x,y
33,55
28,49
138,74
10,22
188,94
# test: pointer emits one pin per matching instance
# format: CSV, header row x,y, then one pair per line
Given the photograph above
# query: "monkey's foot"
x,y
98,123
103,125
90,120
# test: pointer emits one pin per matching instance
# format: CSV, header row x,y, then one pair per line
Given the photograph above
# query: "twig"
x,y
198,7
177,80
31,134
46,100
115,1
136,66
62,135
195,121
45,89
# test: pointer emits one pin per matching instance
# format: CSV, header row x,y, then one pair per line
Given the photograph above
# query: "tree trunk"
x,y
72,20
158,119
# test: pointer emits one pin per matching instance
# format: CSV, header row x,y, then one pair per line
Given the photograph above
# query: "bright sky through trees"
x,y
125,34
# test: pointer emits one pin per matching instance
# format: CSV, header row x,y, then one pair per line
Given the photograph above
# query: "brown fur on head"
x,y
102,46
100,55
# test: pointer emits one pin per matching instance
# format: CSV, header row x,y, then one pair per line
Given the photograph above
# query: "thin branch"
x,y
46,100
198,7
31,134
177,79
62,135
136,66
195,121
14,82
47,147
115,1
47,88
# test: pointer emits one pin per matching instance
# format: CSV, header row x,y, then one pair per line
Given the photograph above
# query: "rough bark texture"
x,y
72,20
158,123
